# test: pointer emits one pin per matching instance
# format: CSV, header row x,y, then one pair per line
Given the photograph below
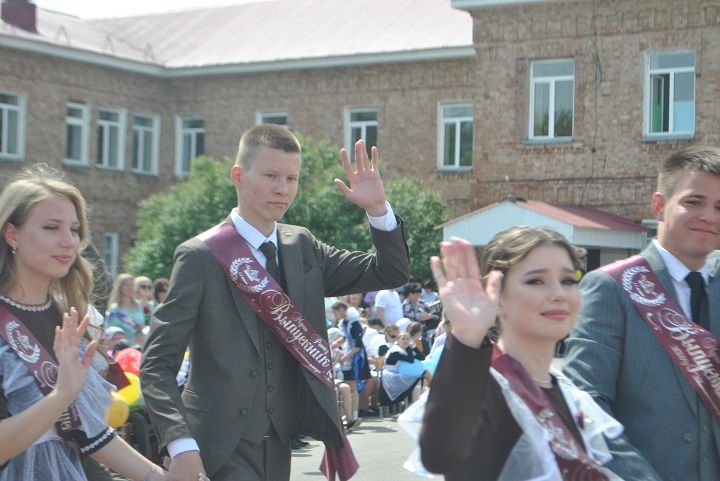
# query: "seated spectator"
x,y
144,296
429,292
124,312
160,288
390,333
355,366
396,385
344,392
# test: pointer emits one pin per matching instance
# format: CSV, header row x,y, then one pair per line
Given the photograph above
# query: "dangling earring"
x,y
13,250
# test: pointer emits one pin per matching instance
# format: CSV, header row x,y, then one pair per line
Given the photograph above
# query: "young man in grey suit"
x,y
246,396
613,354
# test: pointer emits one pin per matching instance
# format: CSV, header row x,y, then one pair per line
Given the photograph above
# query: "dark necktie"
x,y
698,299
268,248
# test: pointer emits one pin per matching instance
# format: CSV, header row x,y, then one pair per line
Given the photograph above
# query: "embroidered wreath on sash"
x,y
643,285
245,277
21,343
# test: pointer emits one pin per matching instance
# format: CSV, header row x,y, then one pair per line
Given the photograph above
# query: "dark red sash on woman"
x,y
39,362
573,461
691,348
286,322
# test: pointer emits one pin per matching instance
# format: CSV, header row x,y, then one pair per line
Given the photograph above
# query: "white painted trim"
x,y
155,148
179,132
470,4
456,167
84,124
111,258
261,114
122,126
647,101
22,118
155,70
363,124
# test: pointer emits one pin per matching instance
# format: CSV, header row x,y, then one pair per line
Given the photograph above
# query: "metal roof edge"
x,y
84,56
475,4
159,70
440,53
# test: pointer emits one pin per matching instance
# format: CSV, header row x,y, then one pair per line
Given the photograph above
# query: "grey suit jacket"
x,y
205,311
613,355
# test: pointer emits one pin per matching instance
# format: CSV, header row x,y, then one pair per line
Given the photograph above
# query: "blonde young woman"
x,y
497,410
125,311
44,294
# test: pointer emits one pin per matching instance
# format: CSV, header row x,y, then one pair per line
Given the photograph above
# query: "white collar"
x,y
675,266
253,236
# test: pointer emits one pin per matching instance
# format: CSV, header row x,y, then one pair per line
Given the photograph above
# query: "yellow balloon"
x,y
118,411
131,392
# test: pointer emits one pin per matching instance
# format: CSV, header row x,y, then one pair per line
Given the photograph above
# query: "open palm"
x,y
72,369
470,308
366,188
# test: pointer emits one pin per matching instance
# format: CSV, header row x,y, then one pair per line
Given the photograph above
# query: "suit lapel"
x,y
291,264
660,269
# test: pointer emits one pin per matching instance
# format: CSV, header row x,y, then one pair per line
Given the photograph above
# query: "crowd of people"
x,y
266,334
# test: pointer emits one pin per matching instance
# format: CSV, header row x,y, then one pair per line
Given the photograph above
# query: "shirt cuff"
x,y
181,445
386,222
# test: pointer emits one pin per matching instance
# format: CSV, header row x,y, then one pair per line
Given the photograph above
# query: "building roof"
x,y
583,226
269,32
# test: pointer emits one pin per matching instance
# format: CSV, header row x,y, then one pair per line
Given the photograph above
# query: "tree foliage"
x,y
206,196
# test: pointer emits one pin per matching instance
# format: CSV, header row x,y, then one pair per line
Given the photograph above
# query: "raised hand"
x,y
366,188
72,370
470,308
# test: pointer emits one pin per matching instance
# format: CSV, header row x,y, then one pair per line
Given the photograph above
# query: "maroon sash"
x,y
572,460
691,348
286,322
39,362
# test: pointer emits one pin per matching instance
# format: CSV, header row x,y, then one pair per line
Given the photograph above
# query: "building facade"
x,y
572,102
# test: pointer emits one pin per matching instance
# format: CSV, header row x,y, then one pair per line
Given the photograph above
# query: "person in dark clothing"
x,y
498,411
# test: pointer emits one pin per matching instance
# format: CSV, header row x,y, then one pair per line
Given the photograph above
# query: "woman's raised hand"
x,y
470,308
72,370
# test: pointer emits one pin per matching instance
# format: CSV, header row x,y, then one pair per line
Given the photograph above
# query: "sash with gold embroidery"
x,y
285,321
691,348
39,362
572,460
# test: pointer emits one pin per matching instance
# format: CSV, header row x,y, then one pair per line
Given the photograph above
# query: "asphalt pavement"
x,y
381,447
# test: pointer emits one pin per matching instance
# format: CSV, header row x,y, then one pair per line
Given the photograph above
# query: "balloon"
x,y
129,360
118,411
131,392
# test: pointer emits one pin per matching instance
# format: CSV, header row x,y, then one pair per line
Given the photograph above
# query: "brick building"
x,y
563,101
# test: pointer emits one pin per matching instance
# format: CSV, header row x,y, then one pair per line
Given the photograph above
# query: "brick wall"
x,y
606,165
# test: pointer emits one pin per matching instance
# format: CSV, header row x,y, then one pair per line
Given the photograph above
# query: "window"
x,y
110,139
145,146
360,124
190,142
552,90
77,128
12,126
670,94
277,117
455,136
110,252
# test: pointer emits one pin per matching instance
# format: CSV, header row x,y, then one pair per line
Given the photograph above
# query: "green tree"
x,y
206,196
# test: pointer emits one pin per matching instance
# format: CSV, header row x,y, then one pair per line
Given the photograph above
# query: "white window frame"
x,y
442,121
550,80
362,124
179,133
262,115
21,109
106,125
111,258
647,101
154,130
84,124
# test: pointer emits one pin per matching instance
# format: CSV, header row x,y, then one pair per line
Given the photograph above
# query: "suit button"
x,y
254,373
270,367
271,410
243,412
706,428
705,459
270,389
269,345
687,437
